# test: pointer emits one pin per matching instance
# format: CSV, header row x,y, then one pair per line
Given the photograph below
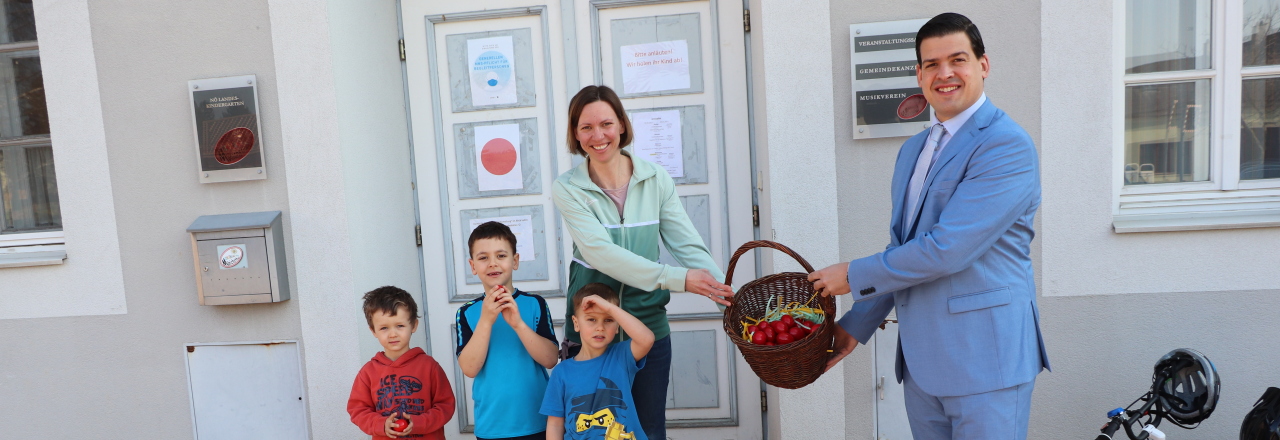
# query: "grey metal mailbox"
x,y
239,258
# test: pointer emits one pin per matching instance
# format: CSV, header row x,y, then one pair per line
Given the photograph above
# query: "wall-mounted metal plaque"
x,y
227,128
887,100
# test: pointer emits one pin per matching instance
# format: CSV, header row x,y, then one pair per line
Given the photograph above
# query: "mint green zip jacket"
x,y
622,252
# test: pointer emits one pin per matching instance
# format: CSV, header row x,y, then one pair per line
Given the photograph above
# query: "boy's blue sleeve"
x,y
543,326
464,327
621,352
553,399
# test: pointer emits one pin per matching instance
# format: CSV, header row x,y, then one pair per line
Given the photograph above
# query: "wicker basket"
x,y
792,365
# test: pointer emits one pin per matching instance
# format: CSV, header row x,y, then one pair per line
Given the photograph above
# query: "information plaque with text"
x,y
887,100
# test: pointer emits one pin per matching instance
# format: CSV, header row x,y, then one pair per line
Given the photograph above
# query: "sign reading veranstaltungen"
x,y
883,60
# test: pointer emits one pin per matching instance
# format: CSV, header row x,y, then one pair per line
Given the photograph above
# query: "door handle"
x,y
880,387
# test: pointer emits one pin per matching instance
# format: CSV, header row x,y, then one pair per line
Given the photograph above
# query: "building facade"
x,y
1158,227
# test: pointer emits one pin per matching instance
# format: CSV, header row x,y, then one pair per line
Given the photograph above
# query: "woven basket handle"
x,y
728,275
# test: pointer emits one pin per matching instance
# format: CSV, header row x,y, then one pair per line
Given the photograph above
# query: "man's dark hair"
x,y
948,23
491,230
389,300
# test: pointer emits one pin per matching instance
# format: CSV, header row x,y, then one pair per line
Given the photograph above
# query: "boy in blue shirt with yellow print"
x,y
589,396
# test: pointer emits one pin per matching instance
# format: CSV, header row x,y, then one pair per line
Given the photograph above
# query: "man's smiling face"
x,y
950,75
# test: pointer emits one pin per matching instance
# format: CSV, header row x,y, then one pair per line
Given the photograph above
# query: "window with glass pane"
x,y
28,183
1167,118
1260,95
1166,133
1165,36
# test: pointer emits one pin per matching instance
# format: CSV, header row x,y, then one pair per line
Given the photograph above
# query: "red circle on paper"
x,y
498,156
233,146
912,106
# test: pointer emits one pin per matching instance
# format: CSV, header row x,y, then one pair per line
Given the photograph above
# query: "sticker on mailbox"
x,y
232,257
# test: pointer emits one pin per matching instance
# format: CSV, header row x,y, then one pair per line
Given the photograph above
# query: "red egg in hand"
x,y
400,424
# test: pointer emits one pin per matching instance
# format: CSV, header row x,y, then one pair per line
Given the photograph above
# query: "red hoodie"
x,y
413,384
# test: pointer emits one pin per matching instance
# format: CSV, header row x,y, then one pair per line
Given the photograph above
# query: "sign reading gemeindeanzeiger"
x,y
883,59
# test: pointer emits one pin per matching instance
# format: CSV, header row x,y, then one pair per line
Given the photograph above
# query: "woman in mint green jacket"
x,y
618,210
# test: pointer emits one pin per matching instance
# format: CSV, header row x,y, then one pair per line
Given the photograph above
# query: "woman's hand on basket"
x,y
832,280
701,282
843,345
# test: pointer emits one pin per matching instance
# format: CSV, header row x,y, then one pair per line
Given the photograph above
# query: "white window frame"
x,y
38,247
1224,201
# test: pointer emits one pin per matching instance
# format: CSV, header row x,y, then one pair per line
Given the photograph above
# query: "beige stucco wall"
x,y
123,376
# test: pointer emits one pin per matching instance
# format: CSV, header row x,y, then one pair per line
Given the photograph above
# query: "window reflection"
x,y
1261,32
1165,35
1167,133
1260,129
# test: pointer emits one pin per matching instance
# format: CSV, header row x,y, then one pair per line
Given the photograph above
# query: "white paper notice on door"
x,y
655,67
658,140
521,226
492,68
498,157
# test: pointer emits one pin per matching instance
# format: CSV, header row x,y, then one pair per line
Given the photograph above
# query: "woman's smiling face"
x,y
598,131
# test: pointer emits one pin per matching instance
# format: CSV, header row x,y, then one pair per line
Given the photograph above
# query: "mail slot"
x,y
239,258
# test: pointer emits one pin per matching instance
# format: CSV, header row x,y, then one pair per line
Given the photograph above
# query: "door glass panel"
x,y
1167,133
1163,35
1261,32
1260,129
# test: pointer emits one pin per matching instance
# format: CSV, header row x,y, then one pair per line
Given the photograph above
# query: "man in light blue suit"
x,y
958,264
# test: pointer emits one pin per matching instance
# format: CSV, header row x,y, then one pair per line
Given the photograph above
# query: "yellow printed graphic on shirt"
x,y
602,418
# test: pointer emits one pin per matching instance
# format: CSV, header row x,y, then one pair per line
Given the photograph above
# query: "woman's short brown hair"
x,y
590,94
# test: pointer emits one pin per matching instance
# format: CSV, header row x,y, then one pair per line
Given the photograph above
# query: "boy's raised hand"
x,y
594,301
510,311
389,426
493,304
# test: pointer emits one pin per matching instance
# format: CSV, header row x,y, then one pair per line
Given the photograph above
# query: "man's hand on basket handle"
x,y
701,282
832,280
844,344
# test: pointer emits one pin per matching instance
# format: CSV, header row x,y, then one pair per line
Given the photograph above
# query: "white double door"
x,y
489,83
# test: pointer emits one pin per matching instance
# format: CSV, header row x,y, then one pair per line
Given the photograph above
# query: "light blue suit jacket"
x,y
961,278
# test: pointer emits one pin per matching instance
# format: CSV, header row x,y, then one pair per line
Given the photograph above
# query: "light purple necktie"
x,y
923,163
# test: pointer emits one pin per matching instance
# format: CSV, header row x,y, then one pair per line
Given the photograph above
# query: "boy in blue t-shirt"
x,y
589,396
508,357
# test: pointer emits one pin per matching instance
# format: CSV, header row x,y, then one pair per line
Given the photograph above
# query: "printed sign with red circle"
x,y
497,149
232,257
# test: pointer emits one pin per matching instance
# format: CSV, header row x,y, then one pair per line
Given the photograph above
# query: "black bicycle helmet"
x,y
1186,385
1263,421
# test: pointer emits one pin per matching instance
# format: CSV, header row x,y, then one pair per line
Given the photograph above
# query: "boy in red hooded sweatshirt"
x,y
401,385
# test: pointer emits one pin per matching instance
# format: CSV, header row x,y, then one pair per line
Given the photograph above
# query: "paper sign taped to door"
x,y
498,157
521,226
655,67
492,65
658,140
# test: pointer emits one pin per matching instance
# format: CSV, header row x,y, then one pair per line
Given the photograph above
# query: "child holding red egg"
x,y
401,392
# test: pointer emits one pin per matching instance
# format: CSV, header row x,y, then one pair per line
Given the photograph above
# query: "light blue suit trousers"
x,y
961,276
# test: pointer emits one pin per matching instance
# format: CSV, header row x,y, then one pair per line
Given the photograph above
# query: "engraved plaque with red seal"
x,y
227,133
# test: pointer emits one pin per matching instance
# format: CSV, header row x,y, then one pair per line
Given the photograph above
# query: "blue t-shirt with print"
x,y
509,386
596,393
